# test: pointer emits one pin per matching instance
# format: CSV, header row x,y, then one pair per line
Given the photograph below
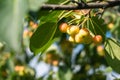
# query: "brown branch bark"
x,y
85,6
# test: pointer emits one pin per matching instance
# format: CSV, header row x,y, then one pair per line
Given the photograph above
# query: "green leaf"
x,y
12,13
116,29
46,16
96,26
47,45
42,37
112,48
55,1
34,5
68,75
108,70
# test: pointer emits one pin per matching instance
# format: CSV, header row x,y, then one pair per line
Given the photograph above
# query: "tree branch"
x,y
85,6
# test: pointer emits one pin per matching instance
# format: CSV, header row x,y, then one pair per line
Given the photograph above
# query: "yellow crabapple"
x,y
30,33
25,33
97,39
100,50
84,32
79,38
55,62
63,27
71,38
110,25
83,36
31,23
35,26
73,30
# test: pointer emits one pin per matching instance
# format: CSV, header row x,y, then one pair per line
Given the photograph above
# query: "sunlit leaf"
x,y
108,69
46,16
68,75
112,48
12,14
55,1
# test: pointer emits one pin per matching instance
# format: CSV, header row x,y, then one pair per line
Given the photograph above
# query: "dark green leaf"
x,y
97,26
42,36
47,45
112,48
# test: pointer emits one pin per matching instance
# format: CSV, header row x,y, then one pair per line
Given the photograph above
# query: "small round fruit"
x,y
55,63
63,27
25,33
31,23
110,25
82,36
97,39
79,38
71,39
100,50
84,32
35,26
30,33
73,30
48,58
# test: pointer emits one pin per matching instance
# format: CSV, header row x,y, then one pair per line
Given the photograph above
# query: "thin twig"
x,y
86,6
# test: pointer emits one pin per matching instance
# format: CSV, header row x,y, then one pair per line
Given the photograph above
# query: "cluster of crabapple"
x,y
28,32
79,35
52,58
